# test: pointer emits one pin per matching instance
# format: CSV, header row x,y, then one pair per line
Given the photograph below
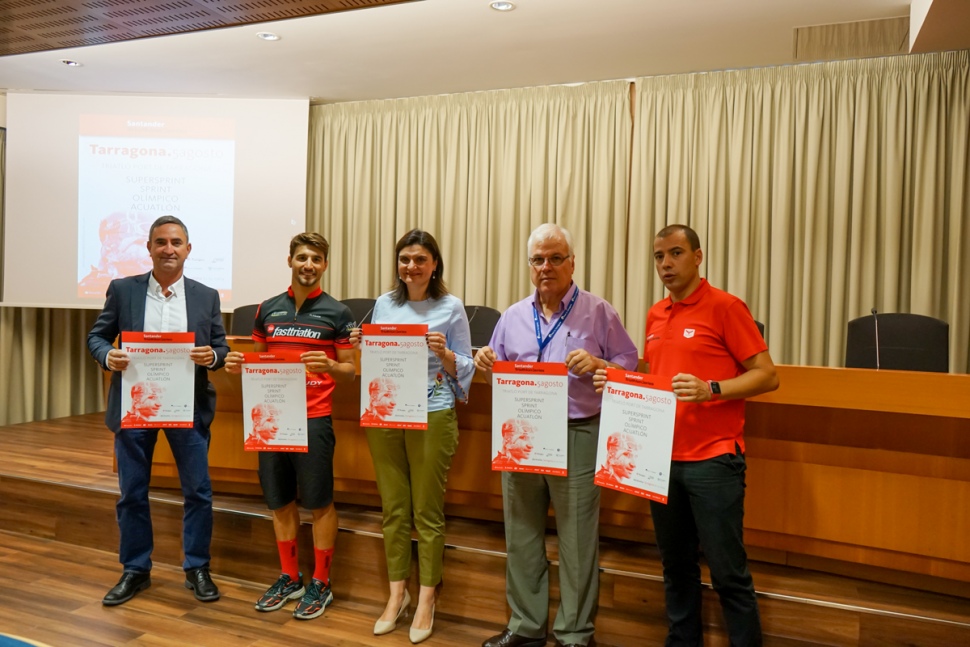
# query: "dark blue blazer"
x,y
124,310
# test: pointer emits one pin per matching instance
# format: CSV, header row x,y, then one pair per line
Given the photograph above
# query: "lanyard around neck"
x,y
552,333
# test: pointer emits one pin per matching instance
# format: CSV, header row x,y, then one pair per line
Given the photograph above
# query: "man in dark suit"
x,y
162,301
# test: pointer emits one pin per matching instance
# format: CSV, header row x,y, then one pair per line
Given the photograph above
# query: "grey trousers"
x,y
576,502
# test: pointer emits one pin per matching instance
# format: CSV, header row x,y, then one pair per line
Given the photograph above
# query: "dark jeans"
x,y
134,449
705,508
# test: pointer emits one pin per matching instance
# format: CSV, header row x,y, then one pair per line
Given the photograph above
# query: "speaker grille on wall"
x,y
860,39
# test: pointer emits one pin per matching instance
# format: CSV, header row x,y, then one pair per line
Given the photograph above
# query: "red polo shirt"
x,y
709,334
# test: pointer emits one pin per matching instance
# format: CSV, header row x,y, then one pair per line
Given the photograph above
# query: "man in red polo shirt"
x,y
707,342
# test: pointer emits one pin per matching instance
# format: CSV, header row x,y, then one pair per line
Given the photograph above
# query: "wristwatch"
x,y
715,388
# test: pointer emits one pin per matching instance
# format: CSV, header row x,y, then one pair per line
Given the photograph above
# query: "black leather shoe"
x,y
126,588
199,580
509,639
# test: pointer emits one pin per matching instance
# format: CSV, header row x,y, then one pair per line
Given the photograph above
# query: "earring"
x,y
432,275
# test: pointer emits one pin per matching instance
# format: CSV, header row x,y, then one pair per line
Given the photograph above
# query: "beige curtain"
x,y
47,372
819,191
479,171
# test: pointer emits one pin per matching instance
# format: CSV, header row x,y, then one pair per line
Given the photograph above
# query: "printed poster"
x,y
274,402
158,387
530,416
394,376
636,434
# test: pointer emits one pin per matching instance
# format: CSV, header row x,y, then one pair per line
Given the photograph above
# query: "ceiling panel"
x,y
40,25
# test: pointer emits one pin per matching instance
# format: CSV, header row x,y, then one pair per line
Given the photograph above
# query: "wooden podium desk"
x,y
860,466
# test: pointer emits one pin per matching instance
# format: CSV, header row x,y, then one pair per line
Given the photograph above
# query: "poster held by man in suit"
x,y
156,388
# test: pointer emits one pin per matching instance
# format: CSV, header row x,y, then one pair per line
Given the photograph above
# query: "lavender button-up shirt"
x,y
592,325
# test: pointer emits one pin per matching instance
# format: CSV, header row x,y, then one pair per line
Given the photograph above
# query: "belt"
x,y
582,421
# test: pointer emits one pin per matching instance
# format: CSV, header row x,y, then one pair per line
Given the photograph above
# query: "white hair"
x,y
550,231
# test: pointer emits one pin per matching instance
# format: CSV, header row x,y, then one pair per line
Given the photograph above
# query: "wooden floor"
x,y
51,591
58,557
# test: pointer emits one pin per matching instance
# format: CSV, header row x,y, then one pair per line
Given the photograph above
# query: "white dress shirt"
x,y
166,313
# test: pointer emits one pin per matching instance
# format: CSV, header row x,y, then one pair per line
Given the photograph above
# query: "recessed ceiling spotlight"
x,y
68,62
267,35
502,6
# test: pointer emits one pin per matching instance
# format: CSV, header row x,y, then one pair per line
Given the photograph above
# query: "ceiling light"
x,y
267,35
68,62
502,6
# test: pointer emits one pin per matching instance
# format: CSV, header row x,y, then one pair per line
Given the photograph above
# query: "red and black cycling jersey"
x,y
322,324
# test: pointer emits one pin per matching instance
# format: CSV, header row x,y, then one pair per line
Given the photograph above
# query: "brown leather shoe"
x,y
509,639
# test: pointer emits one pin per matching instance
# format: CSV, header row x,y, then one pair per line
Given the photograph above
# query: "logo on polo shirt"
x,y
688,333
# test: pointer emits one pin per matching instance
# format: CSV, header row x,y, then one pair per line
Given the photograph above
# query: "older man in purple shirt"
x,y
558,323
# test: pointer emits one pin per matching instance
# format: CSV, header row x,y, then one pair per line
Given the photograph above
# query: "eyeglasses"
x,y
555,261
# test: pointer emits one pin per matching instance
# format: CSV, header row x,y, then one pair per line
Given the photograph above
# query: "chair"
x,y
481,321
362,309
761,328
906,342
243,318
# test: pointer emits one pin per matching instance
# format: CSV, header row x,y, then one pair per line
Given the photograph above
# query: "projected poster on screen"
x,y
88,174
133,169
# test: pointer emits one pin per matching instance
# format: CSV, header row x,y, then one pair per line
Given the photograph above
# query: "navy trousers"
x,y
134,449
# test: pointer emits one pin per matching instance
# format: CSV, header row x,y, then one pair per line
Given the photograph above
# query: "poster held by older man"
x,y
529,415
394,376
158,386
637,437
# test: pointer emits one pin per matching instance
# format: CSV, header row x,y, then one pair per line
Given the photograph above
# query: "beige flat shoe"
x,y
382,627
